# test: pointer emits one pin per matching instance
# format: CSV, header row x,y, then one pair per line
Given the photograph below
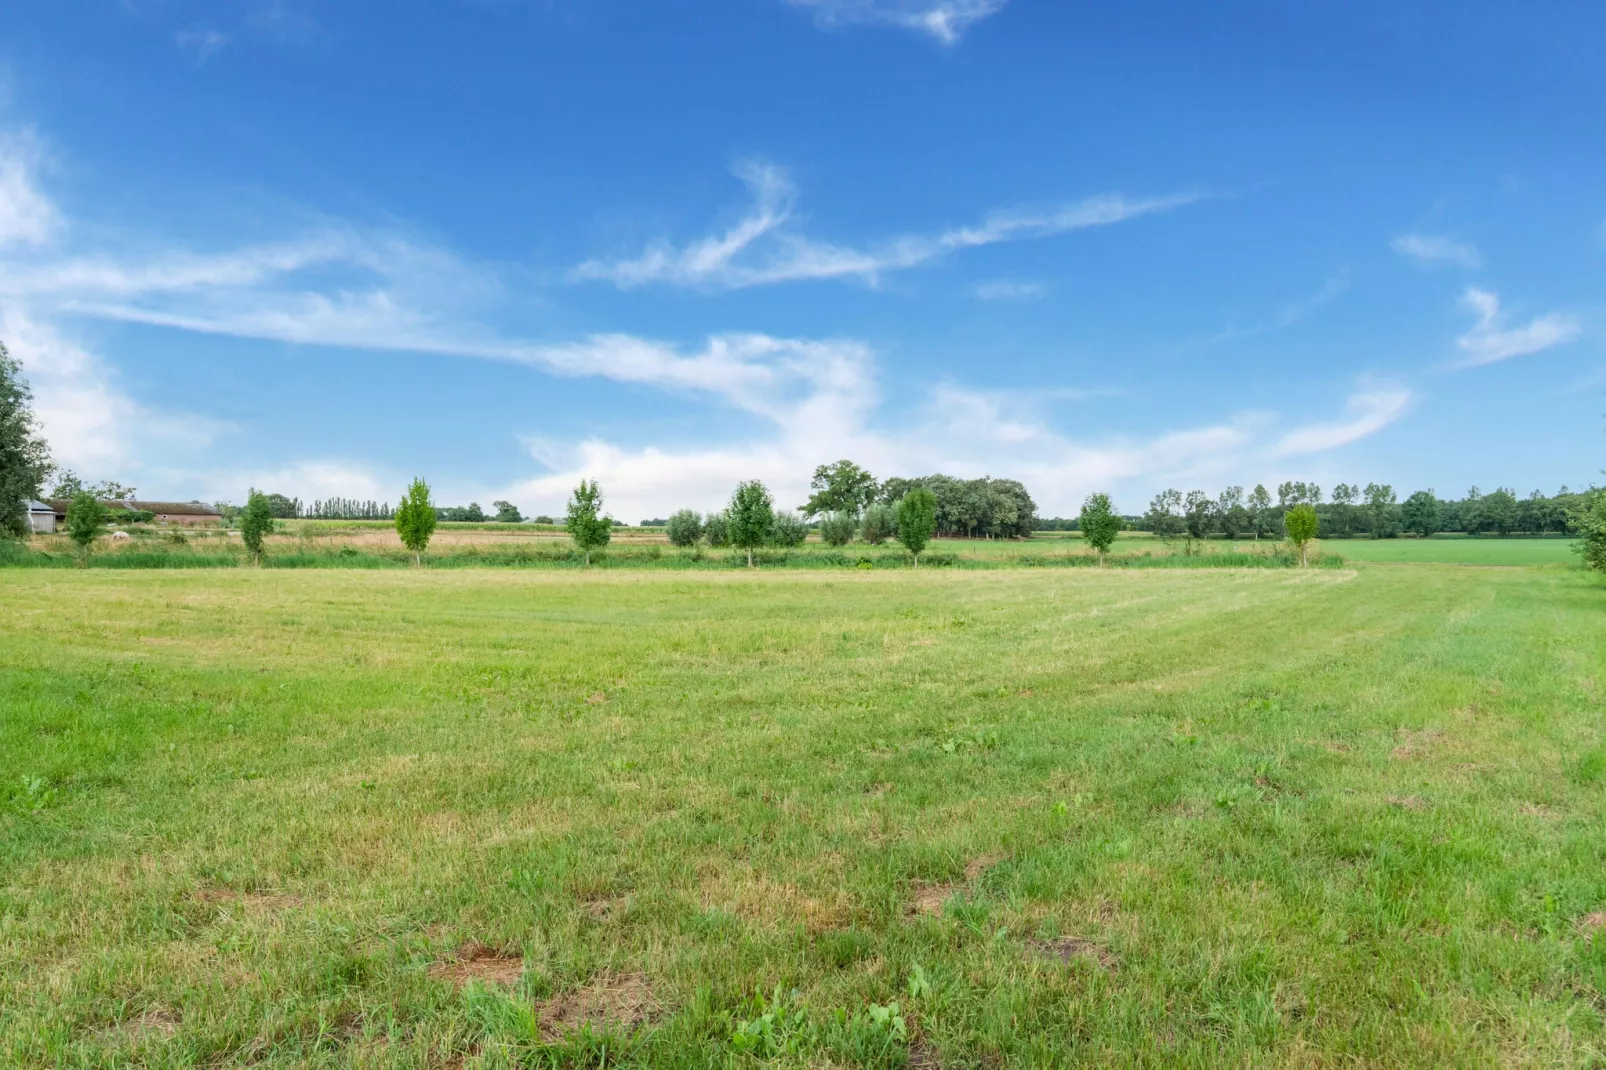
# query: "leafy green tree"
x,y
842,487
24,456
1380,510
1099,523
1343,510
1198,514
1590,520
749,516
1300,522
880,523
1230,515
1500,510
684,528
69,485
1164,517
1259,509
717,529
917,520
416,519
85,517
1420,514
838,529
284,508
586,525
788,531
256,522
507,513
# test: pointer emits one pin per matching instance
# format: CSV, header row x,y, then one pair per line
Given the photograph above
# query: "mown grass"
x,y
1461,551
1117,817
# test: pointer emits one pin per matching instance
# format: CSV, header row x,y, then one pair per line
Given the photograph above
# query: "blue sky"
x,y
321,248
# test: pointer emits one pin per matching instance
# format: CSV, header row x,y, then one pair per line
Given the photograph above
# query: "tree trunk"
x,y
749,557
418,559
588,559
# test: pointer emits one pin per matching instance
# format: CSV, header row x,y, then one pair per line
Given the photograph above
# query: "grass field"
x,y
1482,551
1010,818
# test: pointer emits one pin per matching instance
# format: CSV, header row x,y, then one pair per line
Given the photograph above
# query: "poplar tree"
x,y
917,519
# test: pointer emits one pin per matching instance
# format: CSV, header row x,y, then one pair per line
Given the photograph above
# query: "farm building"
x,y
41,518
189,513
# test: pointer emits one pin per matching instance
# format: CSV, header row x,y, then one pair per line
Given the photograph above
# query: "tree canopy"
x,y
749,517
585,524
256,521
842,487
416,519
1099,523
24,456
917,520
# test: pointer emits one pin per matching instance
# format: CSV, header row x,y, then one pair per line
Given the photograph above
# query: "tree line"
x,y
1373,510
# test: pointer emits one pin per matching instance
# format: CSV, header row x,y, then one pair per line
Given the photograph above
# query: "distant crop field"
x,y
1478,551
988,818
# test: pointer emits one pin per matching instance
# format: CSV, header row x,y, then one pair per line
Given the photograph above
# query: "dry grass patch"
x,y
611,1003
252,902
475,961
928,898
1590,924
1071,948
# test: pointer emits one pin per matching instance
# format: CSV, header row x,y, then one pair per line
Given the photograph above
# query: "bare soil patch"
x,y
928,898
1415,744
475,961
611,1003
1406,802
1590,924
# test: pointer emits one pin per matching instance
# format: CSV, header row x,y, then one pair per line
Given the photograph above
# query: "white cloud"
x,y
945,20
1427,249
1008,290
202,44
26,216
1489,342
761,249
818,399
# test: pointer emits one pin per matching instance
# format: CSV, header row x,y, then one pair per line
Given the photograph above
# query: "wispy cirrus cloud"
x,y
762,248
1430,249
1008,290
1490,341
340,286
944,20
202,44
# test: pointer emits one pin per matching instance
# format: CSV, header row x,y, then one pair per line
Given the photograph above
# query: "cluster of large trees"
x,y
846,502
1352,509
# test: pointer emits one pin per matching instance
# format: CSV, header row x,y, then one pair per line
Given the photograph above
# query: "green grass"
x,y
1059,817
1459,551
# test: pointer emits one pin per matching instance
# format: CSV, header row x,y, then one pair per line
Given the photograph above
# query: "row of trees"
x,y
966,508
1373,510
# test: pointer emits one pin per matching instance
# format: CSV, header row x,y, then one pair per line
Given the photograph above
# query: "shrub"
x,y
684,528
788,531
837,529
880,524
85,516
1591,522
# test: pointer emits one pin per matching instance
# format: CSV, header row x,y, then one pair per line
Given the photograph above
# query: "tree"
x,y
1259,509
284,508
586,525
507,513
1420,514
684,528
880,523
1590,520
416,519
716,528
1380,510
85,516
1343,511
1231,517
1099,523
842,487
1164,517
837,529
24,456
1500,510
917,519
256,521
1300,523
788,531
69,485
1198,511
749,517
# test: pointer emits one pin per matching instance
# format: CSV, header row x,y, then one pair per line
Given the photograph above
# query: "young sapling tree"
x,y
416,518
